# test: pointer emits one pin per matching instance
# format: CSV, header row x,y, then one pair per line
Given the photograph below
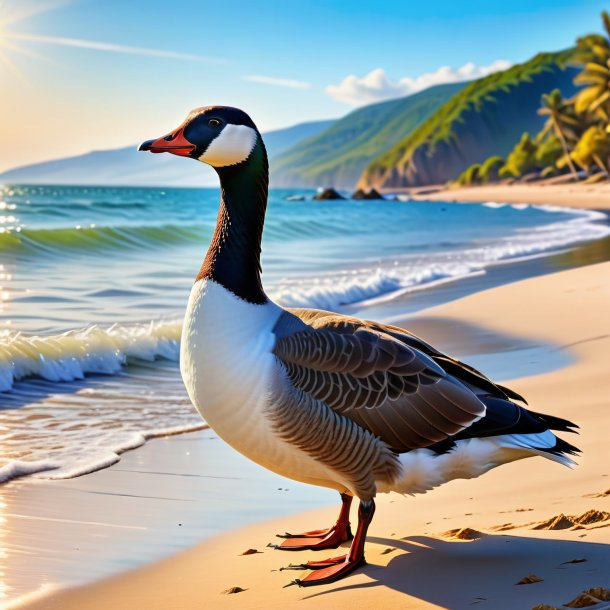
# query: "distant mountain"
x,y
126,166
486,118
338,155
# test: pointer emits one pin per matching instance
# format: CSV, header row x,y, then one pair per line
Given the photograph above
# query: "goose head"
x,y
220,136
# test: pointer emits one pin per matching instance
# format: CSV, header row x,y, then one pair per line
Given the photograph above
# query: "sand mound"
x,y
529,580
590,597
559,522
503,527
463,533
233,590
592,516
562,522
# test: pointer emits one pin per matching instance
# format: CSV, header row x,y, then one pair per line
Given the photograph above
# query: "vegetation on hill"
x,y
576,133
479,121
337,155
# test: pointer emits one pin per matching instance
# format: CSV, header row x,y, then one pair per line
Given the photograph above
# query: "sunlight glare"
x,y
12,12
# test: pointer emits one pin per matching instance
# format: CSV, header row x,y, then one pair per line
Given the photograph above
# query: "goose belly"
x,y
228,369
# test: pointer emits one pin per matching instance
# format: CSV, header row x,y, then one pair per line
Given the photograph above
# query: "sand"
x,y
464,545
569,195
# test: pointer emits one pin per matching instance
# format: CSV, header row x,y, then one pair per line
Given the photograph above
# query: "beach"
x,y
572,195
415,559
208,254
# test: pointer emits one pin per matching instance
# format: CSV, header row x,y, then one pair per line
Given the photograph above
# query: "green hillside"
x,y
338,155
485,118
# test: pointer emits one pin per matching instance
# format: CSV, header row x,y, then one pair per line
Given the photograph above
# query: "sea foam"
x,y
72,355
416,272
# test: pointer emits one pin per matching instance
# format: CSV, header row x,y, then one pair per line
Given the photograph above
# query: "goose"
x,y
324,398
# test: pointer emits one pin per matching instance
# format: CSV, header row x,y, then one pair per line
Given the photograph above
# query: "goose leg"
x,y
330,538
338,567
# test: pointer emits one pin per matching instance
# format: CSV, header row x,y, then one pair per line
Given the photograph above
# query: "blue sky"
x,y
283,62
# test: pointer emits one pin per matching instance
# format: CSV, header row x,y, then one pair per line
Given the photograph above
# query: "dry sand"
x,y
419,554
570,195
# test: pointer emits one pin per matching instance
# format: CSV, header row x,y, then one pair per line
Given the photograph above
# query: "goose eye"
x,y
213,122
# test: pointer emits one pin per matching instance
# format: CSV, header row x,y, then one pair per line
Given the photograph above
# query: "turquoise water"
x,y
94,281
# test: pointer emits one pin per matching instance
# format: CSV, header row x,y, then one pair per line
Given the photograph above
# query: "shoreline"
x,y
201,573
571,195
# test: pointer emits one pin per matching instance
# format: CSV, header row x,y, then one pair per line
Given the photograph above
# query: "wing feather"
x,y
386,385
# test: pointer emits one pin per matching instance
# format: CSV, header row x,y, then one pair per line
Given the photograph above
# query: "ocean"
x,y
94,281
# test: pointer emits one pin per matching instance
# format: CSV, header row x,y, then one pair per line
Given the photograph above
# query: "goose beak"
x,y
174,143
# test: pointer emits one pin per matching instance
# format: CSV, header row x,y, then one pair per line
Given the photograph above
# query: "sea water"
x,y
94,281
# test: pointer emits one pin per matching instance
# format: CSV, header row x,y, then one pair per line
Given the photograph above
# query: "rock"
x,y
327,194
544,607
530,579
372,194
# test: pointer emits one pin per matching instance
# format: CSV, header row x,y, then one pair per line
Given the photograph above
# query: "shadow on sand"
x,y
483,573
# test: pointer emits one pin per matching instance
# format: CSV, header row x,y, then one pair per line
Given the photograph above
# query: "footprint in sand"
x,y
603,494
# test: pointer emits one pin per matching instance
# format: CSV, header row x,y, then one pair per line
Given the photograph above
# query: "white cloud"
x,y
376,86
277,82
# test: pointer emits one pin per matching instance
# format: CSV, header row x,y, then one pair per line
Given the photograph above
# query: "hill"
x,y
126,166
338,155
486,118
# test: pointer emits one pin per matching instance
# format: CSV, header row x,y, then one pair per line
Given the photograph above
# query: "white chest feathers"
x,y
225,356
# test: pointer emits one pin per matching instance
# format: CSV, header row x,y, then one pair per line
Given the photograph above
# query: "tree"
x,y
550,153
560,118
521,159
593,51
593,149
490,169
594,48
470,175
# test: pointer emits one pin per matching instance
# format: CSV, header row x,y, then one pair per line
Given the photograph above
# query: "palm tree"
x,y
593,148
594,48
559,119
594,53
595,98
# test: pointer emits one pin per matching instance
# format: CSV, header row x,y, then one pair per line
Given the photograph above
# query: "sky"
x,y
81,75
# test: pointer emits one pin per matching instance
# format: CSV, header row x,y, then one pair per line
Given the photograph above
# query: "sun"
x,y
13,12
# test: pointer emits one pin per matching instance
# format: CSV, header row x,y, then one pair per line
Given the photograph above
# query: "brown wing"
x,y
467,374
391,388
